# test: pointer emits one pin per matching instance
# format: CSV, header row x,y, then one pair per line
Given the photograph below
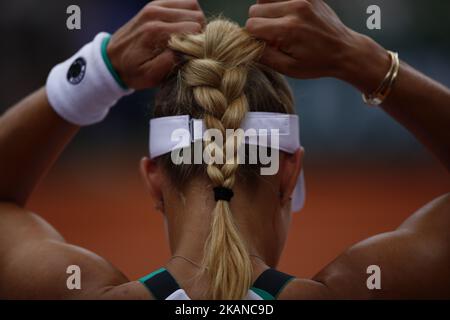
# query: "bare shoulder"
x,y
412,262
37,263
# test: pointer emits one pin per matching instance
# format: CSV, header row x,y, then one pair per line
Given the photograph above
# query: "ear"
x,y
289,171
153,179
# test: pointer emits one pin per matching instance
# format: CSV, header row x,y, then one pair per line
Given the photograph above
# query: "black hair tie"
x,y
222,193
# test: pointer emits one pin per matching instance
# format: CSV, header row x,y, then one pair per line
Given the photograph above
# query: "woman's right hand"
x,y
138,50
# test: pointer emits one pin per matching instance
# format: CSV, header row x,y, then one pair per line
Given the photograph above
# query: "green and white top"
x,y
163,286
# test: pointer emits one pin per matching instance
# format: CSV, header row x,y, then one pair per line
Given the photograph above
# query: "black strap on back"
x,y
161,285
272,281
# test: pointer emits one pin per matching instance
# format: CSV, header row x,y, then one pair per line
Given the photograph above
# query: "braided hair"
x,y
217,77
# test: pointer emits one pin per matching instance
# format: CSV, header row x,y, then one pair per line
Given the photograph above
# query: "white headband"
x,y
161,141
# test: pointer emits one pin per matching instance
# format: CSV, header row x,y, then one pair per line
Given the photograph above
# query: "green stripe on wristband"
x,y
109,64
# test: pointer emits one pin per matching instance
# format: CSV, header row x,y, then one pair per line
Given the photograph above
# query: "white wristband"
x,y
83,88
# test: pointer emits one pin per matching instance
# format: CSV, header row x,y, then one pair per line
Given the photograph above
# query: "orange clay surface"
x,y
107,211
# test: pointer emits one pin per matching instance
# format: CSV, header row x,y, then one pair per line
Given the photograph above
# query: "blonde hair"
x,y
214,82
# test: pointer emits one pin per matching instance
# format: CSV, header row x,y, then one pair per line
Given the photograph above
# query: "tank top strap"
x,y
270,284
160,283
267,286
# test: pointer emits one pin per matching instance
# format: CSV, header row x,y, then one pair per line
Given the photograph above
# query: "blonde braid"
x,y
216,70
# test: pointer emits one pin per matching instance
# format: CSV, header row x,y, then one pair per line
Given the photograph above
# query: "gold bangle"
x,y
385,88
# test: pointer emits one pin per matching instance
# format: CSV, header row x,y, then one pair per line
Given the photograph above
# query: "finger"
x,y
269,1
179,4
159,67
279,61
272,30
172,14
182,27
269,10
156,34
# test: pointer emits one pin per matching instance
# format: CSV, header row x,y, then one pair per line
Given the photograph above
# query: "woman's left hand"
x,y
306,39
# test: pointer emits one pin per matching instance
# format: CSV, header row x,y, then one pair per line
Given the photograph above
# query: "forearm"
x,y
32,137
416,101
32,134
320,45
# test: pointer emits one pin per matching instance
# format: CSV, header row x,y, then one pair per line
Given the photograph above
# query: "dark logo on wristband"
x,y
77,71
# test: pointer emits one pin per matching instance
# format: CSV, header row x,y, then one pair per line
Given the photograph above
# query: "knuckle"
x,y
193,4
252,10
292,24
300,6
250,25
199,17
196,27
151,12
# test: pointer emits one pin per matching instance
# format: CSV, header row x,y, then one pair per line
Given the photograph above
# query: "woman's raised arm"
x,y
35,131
306,39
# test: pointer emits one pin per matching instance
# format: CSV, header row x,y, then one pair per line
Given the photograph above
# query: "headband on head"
x,y
286,126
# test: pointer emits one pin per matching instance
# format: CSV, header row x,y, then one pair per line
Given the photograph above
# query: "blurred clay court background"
x,y
364,173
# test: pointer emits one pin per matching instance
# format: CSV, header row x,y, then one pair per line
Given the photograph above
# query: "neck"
x,y
189,224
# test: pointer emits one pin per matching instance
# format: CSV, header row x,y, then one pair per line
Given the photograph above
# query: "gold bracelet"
x,y
379,95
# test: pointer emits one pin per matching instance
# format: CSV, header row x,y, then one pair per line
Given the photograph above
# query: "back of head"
x,y
219,80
